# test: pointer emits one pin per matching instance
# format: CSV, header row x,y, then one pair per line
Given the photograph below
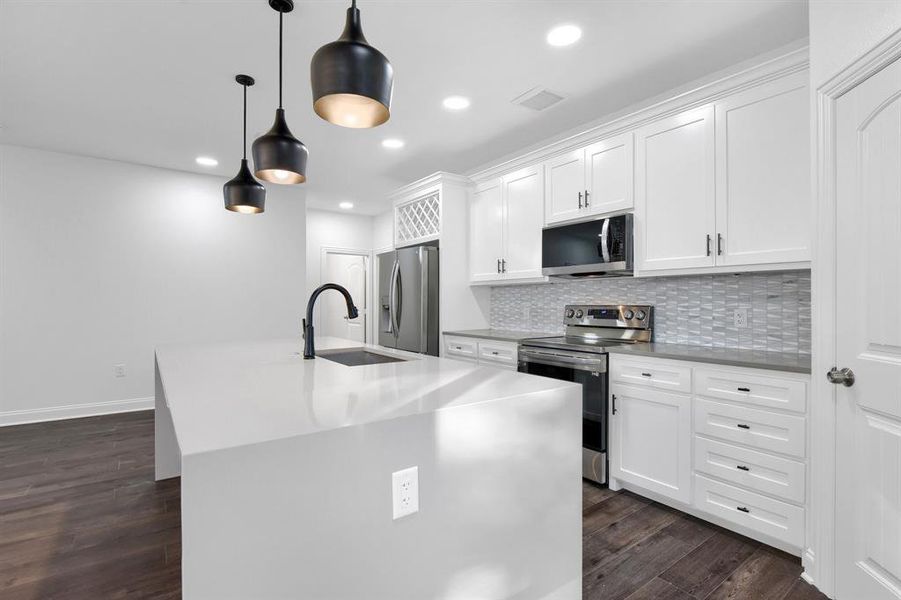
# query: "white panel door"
x,y
675,200
651,440
609,175
565,181
523,203
763,174
868,330
486,232
350,271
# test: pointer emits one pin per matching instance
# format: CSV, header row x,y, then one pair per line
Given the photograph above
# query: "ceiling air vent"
x,y
538,98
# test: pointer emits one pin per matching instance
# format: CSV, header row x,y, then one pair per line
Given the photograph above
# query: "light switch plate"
x,y
405,492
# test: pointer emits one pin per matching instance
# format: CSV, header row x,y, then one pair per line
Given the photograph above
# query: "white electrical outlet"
x,y
740,318
119,370
405,492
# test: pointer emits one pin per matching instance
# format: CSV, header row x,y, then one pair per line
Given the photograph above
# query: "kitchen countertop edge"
x,y
749,359
500,335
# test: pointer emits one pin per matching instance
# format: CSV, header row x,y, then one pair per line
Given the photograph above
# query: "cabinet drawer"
x,y
760,390
764,515
673,378
758,428
497,352
462,347
758,471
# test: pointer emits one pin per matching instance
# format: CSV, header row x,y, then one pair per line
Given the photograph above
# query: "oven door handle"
x,y
561,359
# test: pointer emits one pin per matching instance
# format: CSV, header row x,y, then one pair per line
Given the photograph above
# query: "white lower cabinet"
x,y
729,445
485,352
651,440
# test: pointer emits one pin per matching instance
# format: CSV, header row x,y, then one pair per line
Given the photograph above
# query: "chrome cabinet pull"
x,y
743,426
841,376
709,250
744,389
586,198
614,403
646,375
743,509
580,200
498,265
742,468
719,244
503,265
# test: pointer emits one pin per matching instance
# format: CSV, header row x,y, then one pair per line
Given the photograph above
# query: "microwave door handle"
x,y
605,241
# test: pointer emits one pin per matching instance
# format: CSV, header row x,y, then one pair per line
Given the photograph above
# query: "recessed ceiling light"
x,y
206,161
393,143
346,205
564,35
456,103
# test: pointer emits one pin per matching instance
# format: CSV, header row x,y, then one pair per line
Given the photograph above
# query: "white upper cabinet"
x,y
737,171
590,181
486,231
609,175
505,227
565,191
763,174
523,203
675,218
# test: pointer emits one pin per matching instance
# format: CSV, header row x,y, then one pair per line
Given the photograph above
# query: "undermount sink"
x,y
354,357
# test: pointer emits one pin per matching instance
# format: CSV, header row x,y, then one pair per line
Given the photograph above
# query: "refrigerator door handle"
x,y
424,301
398,298
392,298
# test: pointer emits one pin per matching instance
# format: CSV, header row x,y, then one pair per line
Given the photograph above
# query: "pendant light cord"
x,y
281,17
244,146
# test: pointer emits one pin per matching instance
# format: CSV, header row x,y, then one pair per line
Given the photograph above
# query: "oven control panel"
x,y
609,315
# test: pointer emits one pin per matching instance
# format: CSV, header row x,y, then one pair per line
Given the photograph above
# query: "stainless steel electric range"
x,y
581,356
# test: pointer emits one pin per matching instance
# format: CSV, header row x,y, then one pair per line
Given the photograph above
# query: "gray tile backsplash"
x,y
688,310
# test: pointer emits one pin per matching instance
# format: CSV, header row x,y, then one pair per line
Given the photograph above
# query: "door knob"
x,y
841,376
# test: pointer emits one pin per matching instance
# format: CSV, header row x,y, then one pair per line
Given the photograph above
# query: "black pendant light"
x,y
244,194
278,156
352,81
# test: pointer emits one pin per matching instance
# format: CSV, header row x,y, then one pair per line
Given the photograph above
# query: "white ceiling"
x,y
151,81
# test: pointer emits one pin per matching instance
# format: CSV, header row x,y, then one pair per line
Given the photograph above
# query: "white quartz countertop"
x,y
231,394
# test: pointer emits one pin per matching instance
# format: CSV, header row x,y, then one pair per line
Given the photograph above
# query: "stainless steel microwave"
x,y
598,248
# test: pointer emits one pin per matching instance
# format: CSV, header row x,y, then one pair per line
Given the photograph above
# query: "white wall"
x,y
843,30
326,229
101,261
383,230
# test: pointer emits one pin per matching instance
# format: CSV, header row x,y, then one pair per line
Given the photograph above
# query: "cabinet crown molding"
x,y
427,185
746,75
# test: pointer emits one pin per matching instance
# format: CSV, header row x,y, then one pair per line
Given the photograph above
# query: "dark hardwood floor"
x,y
82,519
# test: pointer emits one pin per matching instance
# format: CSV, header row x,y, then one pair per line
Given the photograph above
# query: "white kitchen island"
x,y
286,469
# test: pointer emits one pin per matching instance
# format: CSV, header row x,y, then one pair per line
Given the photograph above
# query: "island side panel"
x,y
311,516
165,445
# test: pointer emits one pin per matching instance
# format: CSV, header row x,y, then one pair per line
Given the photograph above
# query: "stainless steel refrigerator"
x,y
408,299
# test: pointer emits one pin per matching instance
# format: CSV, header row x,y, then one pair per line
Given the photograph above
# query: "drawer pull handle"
x,y
743,426
743,509
742,468
646,375
458,347
494,353
744,389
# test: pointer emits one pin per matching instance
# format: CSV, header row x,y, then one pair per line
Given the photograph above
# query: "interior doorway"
x,y
349,268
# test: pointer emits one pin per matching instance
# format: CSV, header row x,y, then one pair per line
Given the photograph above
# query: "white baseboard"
x,y
73,411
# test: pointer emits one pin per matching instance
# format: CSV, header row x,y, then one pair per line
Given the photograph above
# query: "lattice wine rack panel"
x,y
417,220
